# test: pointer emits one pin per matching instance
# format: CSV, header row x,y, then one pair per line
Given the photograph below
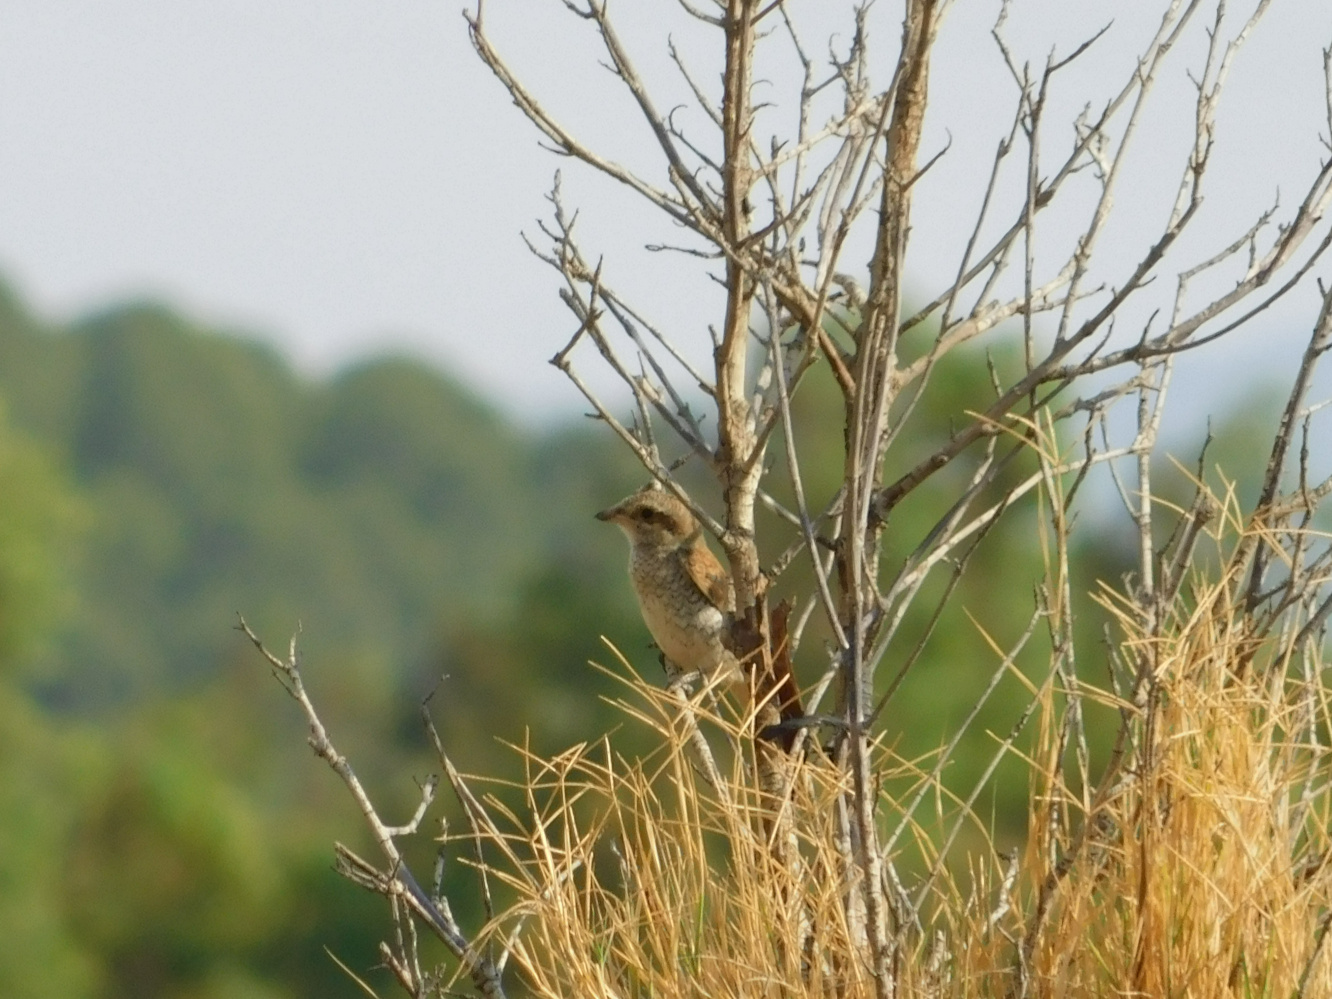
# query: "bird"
x,y
683,590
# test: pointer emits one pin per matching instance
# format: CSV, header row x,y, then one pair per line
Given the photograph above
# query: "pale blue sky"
x,y
344,177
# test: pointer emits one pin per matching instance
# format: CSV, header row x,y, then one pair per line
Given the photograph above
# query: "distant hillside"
x,y
165,833
382,510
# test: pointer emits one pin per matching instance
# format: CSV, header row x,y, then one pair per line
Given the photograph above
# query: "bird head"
x,y
653,517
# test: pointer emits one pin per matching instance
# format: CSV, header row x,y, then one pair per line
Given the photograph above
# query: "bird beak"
x,y
610,513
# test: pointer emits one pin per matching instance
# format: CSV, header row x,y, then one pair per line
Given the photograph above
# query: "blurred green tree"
x,y
168,837
42,776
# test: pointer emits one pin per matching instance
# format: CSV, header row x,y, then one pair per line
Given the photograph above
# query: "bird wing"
x,y
709,576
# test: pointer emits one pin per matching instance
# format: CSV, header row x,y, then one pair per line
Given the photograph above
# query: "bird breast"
x,y
686,626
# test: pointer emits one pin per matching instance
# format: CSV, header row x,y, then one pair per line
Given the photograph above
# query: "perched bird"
x,y
683,590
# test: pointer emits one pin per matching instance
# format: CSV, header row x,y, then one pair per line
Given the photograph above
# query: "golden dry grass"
x,y
1203,874
1195,868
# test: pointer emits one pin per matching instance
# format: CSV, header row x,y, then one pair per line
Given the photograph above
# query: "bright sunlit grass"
x,y
1193,864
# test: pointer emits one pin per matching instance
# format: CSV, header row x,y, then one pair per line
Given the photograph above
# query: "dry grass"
x,y
1188,863
1202,872
1196,867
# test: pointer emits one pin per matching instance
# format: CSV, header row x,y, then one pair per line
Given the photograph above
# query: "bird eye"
x,y
647,515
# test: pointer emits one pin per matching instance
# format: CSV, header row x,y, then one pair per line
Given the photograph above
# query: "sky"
x,y
344,177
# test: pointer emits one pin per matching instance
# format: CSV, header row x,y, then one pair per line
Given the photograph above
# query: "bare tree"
x,y
778,220
777,213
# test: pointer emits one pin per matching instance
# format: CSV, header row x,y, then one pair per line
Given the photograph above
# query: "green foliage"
x,y
44,778
41,775
379,511
39,522
168,868
163,832
175,841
